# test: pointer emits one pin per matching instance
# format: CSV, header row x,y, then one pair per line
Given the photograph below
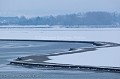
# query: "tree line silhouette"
x,y
88,18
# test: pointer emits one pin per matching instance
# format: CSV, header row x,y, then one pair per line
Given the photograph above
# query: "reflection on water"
x,y
10,50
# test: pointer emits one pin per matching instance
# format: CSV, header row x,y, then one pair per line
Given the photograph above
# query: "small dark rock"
x,y
18,59
71,49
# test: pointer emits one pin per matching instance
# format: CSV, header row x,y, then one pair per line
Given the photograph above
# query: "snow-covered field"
x,y
83,34
101,57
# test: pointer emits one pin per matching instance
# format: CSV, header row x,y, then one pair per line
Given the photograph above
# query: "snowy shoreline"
x,y
99,58
73,34
43,60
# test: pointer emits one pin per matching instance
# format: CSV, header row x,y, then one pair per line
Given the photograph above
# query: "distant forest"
x,y
88,18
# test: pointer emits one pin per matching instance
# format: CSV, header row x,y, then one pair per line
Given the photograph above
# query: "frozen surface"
x,y
100,57
81,34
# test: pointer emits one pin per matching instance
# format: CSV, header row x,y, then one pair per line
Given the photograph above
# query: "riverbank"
x,y
47,61
69,34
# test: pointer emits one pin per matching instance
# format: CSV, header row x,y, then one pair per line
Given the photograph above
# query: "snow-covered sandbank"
x,y
101,57
108,57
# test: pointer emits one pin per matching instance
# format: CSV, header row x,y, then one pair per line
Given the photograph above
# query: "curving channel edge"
x,y
42,58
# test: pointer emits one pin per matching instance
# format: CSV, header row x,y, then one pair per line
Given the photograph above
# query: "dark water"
x,y
10,50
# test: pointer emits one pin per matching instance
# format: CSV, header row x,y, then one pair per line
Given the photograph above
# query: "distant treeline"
x,y
88,18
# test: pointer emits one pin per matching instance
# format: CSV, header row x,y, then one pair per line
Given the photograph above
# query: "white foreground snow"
x,y
101,57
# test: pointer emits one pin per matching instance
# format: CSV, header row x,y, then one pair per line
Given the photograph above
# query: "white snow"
x,y
83,34
101,57
29,60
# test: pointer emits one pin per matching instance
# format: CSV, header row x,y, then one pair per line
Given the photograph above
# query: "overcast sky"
x,y
55,7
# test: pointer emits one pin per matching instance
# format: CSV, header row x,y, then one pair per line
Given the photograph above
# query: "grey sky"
x,y
55,7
